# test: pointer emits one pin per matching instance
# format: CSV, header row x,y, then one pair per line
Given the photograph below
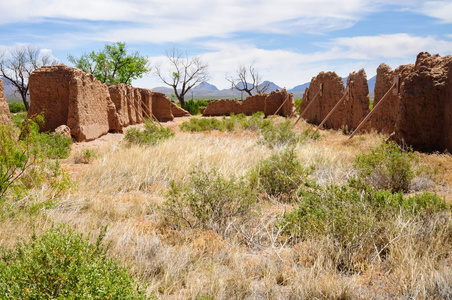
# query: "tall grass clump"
x,y
151,135
208,200
386,166
62,264
280,175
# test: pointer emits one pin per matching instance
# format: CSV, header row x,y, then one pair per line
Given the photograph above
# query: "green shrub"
x,y
16,107
192,107
280,175
203,124
62,264
281,135
86,156
386,166
18,119
309,134
352,218
151,135
209,200
24,162
14,158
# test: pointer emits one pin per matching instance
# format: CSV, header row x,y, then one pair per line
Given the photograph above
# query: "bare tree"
x,y
185,73
17,65
248,80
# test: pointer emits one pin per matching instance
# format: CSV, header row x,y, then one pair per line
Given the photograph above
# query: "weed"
x,y
386,166
280,175
86,156
209,200
63,264
276,136
151,135
18,119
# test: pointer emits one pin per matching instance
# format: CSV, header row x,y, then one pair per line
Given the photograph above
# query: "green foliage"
x,y
113,64
352,218
151,135
192,106
14,158
62,264
209,200
280,135
16,107
298,101
18,119
386,166
203,124
25,161
87,156
309,134
280,175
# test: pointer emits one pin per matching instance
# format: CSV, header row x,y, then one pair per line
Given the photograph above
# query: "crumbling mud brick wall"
x,y
161,107
424,120
223,107
275,99
355,106
5,115
178,111
68,96
253,104
267,103
118,95
146,102
332,92
384,119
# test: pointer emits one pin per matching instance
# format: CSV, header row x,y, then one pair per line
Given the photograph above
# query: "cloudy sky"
x,y
289,41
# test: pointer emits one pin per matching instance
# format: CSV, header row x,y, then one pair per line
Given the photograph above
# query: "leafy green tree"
x,y
113,64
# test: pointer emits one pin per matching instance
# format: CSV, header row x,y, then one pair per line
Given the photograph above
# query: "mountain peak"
x,y
205,86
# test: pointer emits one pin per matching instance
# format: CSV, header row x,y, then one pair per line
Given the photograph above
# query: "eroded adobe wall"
x,y
355,106
424,120
332,92
223,107
146,102
385,117
253,104
68,96
118,96
161,107
275,99
178,111
5,115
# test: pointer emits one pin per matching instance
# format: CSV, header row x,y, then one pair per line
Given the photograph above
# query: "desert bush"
x,y
86,156
151,135
255,122
280,135
354,219
209,200
280,175
203,124
309,134
62,264
193,106
14,158
25,162
16,107
386,166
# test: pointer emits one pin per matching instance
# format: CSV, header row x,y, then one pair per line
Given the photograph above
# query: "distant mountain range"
x,y
207,90
8,87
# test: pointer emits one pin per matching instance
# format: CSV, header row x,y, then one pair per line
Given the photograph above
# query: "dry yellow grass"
x,y
124,188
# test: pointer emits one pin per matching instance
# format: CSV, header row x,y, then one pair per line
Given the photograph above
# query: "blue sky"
x,y
289,41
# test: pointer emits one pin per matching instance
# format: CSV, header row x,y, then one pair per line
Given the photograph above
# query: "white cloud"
x,y
438,9
390,46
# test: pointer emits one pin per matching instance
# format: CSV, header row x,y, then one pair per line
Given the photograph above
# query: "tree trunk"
x,y
182,101
24,99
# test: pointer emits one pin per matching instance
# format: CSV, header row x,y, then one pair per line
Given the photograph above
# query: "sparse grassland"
x,y
226,214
